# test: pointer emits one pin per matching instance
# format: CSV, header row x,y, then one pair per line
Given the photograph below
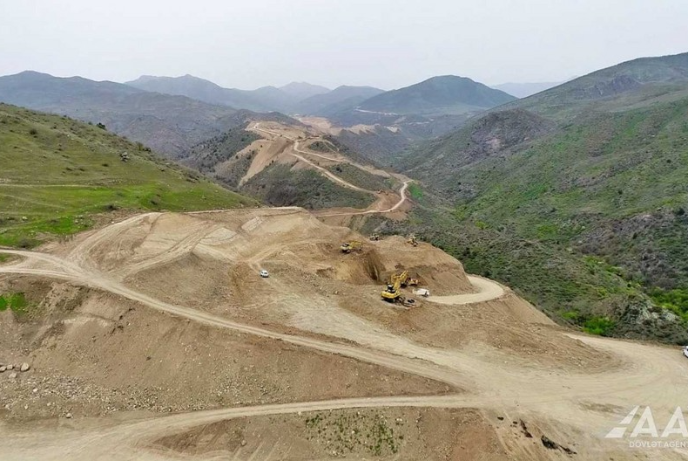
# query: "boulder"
x,y
25,367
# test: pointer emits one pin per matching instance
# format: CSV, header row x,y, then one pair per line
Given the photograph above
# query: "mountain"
x,y
576,196
303,90
169,124
343,98
61,176
522,90
264,99
637,82
447,94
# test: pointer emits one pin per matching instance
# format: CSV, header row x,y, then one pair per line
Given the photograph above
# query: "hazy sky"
x,y
384,43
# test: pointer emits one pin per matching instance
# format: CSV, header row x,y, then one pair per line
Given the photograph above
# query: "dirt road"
x,y
486,290
578,405
375,208
652,375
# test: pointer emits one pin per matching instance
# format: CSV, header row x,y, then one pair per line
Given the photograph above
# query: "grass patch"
x,y
53,181
675,300
415,191
14,301
599,326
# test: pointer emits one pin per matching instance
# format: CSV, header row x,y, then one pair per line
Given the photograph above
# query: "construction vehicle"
x,y
412,282
392,292
375,237
348,247
412,240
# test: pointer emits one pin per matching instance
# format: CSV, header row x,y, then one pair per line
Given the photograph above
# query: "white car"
x,y
263,273
685,351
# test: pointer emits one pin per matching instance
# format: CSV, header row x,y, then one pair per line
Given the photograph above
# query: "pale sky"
x,y
383,43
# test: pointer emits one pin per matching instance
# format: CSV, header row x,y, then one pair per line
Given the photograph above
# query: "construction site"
x,y
158,336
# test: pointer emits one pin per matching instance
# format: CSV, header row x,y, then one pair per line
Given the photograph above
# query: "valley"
x,y
182,277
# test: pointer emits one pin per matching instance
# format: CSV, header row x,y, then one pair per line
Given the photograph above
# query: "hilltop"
x,y
447,94
60,176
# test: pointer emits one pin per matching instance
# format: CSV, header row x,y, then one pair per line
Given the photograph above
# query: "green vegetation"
x,y
359,177
55,181
415,191
447,94
345,432
579,204
675,300
599,326
14,301
206,156
279,185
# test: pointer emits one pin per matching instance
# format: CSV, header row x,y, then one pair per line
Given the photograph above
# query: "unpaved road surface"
x,y
583,404
575,401
377,207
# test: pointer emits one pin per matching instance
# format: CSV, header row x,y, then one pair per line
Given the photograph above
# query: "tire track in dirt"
x,y
297,151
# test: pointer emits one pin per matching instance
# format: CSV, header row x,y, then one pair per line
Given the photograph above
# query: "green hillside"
x,y
446,94
59,176
576,197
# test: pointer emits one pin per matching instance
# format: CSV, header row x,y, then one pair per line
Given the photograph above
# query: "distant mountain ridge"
x,y
446,94
340,99
265,99
303,90
523,90
167,123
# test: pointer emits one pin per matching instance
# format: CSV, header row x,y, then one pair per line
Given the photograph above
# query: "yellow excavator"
x,y
348,247
412,240
392,292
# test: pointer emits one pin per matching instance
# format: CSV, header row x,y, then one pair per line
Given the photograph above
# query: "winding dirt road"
x,y
648,374
375,208
586,403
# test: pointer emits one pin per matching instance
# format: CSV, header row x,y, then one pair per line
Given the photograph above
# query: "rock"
x,y
10,367
13,375
68,415
3,368
25,367
243,443
35,390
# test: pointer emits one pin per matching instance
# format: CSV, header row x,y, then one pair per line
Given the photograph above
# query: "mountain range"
x,y
576,196
264,99
171,124
173,114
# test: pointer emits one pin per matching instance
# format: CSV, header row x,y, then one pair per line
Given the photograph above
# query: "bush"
x,y
599,326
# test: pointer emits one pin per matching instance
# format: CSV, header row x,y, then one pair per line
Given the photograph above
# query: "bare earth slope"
x,y
158,337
